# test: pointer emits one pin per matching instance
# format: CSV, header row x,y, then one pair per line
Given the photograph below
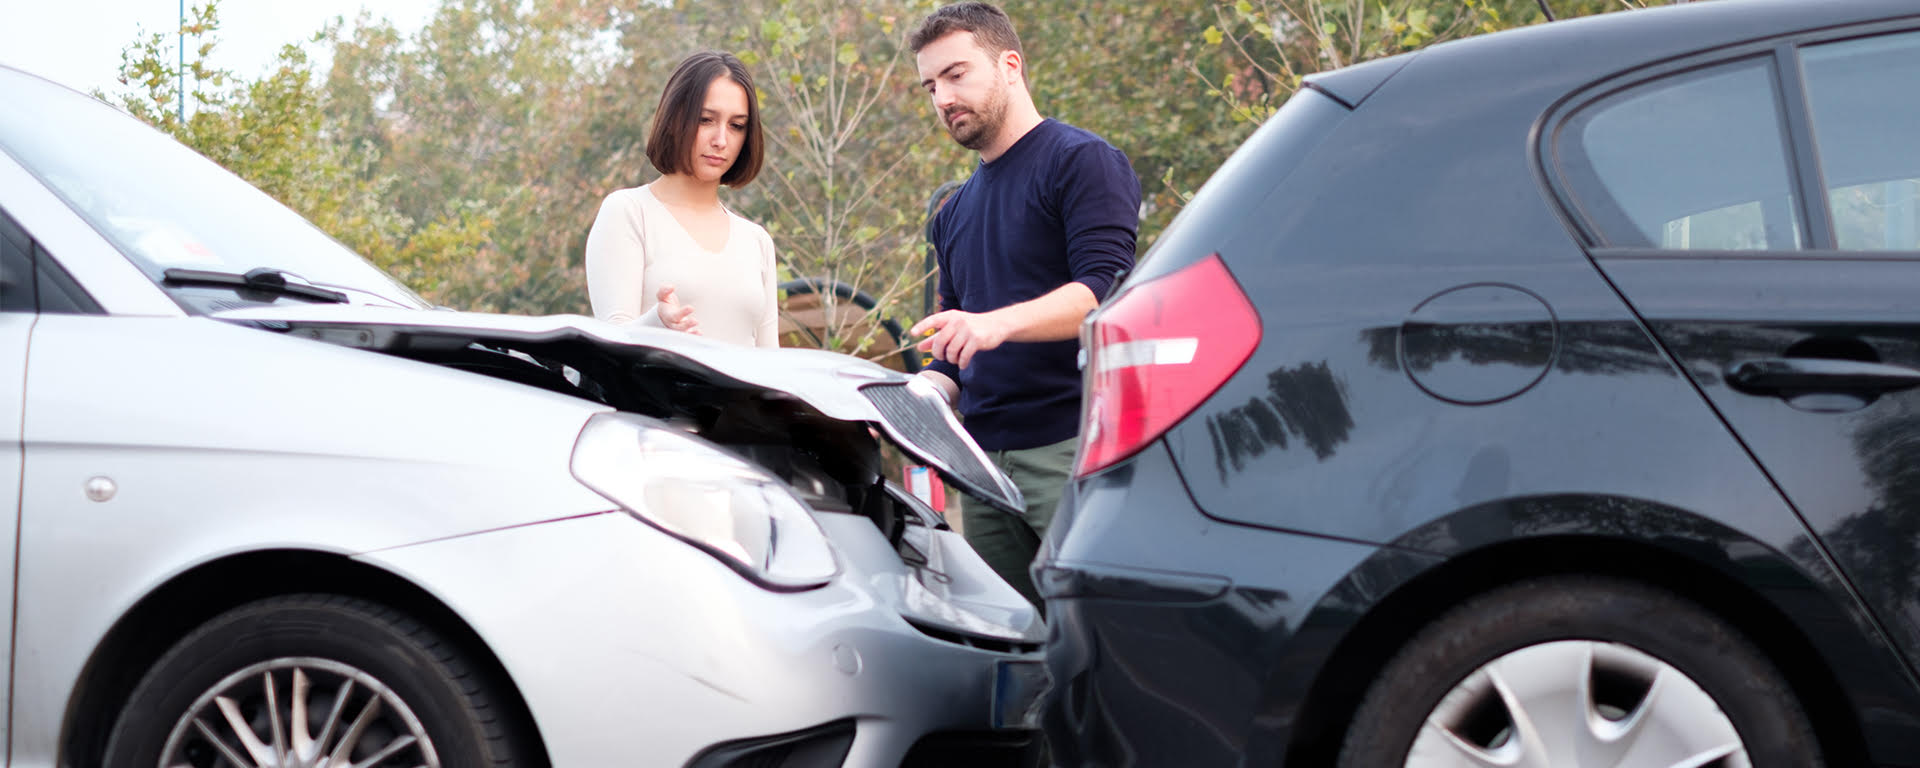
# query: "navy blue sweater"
x,y
1061,205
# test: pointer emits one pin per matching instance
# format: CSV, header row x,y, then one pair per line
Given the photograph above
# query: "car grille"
x,y
924,423
824,746
955,749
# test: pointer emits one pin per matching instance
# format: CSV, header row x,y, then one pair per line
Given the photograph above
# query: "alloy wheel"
x,y
299,713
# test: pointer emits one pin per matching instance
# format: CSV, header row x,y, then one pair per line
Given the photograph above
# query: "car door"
x,y
17,253
1758,212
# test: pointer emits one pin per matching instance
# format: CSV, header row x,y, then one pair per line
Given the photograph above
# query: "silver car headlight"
x,y
734,510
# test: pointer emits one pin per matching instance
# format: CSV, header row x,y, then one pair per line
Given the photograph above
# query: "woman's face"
x,y
722,129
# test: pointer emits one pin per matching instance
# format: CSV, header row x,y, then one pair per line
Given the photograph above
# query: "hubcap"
x,y
1577,704
299,713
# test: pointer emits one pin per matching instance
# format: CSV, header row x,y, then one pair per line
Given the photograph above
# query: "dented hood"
x,y
906,410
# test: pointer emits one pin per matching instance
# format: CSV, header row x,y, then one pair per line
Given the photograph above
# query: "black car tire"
x,y
1747,688
331,639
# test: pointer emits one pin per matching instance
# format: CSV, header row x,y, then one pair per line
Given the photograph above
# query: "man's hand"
x,y
673,315
958,336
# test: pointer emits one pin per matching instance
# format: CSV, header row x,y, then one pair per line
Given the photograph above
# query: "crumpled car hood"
x,y
905,409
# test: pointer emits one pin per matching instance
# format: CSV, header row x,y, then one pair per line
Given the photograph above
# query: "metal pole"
x,y
183,61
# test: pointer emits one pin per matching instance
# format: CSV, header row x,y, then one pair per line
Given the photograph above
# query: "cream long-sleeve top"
x,y
636,246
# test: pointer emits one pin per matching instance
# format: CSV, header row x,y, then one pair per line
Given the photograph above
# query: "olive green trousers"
x,y
1008,543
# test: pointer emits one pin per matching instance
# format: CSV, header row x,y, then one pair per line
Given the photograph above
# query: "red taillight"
x,y
1156,353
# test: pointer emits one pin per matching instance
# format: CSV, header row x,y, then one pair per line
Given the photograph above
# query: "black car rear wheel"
x,y
310,680
1579,671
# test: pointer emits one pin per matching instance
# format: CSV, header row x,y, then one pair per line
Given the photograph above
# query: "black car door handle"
x,y
1809,374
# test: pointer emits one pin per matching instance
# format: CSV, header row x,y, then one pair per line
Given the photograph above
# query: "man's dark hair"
x,y
677,121
991,28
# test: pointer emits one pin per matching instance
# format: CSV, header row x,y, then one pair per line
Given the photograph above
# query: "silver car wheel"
x,y
1577,703
299,713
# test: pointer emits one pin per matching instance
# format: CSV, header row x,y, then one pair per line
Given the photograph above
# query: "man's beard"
x,y
984,125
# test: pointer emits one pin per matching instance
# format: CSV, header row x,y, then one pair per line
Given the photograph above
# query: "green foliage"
x,y
275,133
1125,70
485,121
1276,43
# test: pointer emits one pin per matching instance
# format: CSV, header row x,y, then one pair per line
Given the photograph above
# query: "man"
x,y
1027,247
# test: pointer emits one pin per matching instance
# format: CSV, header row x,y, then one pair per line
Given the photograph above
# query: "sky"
x,y
78,42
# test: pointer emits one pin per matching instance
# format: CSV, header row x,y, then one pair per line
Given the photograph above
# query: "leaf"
x,y
1330,29
1244,7
848,55
1213,35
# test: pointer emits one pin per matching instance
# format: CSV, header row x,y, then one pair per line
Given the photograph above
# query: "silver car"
x,y
268,508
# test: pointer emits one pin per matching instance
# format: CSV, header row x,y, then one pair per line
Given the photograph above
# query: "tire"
x,y
1451,695
433,709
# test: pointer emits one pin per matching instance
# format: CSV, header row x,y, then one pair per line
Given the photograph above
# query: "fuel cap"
x,y
1478,344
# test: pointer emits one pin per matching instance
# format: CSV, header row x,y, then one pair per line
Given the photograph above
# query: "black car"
x,y
1540,399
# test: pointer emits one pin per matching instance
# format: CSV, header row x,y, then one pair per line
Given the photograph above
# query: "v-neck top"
x,y
636,246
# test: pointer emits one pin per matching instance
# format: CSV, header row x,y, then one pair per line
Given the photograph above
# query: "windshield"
x,y
165,206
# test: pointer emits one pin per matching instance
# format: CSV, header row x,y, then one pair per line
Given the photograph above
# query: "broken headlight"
x,y
706,497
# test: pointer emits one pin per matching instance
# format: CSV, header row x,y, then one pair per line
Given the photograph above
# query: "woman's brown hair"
x,y
677,121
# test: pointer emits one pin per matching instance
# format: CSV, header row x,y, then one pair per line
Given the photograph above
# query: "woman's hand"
x,y
673,315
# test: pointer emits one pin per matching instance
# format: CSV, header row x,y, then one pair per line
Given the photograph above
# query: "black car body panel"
x,y
1865,500
1240,646
1354,84
1146,642
1461,383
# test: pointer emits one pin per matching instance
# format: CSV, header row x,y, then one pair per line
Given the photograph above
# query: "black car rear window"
x,y
1696,161
1867,128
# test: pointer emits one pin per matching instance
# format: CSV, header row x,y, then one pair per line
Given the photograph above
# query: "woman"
x,y
669,254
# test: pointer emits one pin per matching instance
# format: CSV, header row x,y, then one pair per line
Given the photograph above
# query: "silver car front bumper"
x,y
632,648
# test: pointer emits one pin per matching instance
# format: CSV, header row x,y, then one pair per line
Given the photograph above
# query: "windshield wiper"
x,y
264,279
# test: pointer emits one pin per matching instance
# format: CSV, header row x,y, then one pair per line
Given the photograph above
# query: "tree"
x,y
487,115
1276,43
1125,70
275,133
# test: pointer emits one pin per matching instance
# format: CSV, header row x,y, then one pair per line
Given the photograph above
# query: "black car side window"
x,y
1694,161
1866,125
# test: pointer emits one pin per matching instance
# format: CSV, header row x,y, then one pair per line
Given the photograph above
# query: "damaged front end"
x,y
815,419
